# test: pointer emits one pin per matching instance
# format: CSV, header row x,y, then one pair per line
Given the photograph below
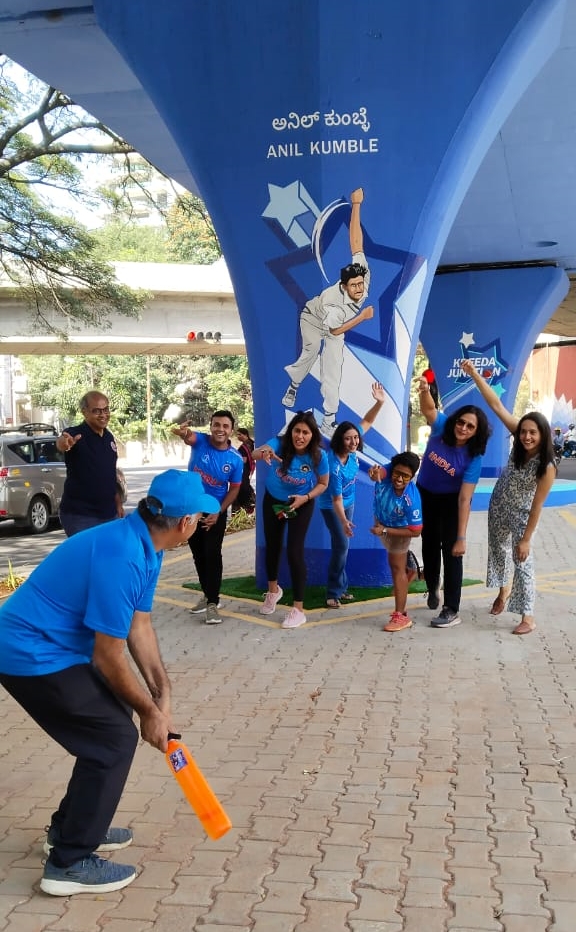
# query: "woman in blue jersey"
x,y
297,474
448,475
337,503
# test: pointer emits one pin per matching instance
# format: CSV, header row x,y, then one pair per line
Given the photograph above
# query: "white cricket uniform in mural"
x,y
329,310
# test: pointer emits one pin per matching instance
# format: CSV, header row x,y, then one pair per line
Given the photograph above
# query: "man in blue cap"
x,y
63,636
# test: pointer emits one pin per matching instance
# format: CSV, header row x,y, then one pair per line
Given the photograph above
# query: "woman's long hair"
x,y
546,448
245,438
314,448
476,445
337,441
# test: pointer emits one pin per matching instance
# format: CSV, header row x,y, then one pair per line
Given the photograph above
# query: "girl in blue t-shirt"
x,y
337,503
297,474
448,475
397,519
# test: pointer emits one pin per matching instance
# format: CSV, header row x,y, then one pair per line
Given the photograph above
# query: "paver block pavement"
x,y
82,914
556,858
472,881
325,917
432,920
424,892
521,924
517,870
523,899
274,922
553,833
376,905
399,784
283,897
476,912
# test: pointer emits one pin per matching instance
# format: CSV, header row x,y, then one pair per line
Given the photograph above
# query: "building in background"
x,y
150,193
551,376
15,403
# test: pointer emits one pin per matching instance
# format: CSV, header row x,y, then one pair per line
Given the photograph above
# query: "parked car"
x,y
32,474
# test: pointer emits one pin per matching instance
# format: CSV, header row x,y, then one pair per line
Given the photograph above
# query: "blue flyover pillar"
x,y
281,111
492,317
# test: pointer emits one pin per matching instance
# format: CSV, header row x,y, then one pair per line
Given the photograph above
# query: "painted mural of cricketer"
x,y
324,321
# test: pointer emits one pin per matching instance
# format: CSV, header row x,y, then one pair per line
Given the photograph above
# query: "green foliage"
x,y
416,420
524,401
121,241
191,234
195,405
230,388
58,383
240,521
49,258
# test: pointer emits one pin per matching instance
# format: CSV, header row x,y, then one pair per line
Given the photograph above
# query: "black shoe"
x,y
446,619
433,600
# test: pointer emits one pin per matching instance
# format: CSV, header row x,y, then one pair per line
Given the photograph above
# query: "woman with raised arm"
x,y
515,506
337,503
449,471
297,474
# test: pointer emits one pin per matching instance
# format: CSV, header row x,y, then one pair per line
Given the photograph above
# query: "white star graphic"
x,y
467,339
285,204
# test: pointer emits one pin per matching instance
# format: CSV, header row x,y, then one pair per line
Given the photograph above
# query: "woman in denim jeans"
x,y
337,503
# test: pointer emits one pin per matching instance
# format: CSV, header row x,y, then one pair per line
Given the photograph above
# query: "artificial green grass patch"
x,y
244,587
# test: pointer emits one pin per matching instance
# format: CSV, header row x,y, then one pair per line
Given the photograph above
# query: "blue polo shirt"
x,y
90,486
443,469
218,469
300,478
94,581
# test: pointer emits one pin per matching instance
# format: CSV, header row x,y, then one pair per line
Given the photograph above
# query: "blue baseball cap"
x,y
175,493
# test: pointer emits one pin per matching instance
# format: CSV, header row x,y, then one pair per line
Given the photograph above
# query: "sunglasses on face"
x,y
465,425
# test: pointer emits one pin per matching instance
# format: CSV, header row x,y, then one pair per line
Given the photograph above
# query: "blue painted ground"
x,y
563,491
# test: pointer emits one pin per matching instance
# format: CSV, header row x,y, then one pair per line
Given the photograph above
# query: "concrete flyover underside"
x,y
454,123
189,310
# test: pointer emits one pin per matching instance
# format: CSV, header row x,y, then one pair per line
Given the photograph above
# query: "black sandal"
x,y
333,603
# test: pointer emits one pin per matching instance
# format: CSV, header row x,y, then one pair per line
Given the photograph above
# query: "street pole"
x,y
148,413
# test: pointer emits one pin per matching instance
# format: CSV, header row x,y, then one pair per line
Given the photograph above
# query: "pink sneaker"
x,y
270,601
398,621
294,619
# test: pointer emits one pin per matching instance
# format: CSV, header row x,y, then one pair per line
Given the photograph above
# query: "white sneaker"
x,y
294,619
270,600
328,426
289,399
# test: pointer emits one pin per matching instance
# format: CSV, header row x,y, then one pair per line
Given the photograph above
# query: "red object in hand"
x,y
428,374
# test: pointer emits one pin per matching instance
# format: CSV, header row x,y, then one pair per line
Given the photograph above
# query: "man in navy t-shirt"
x,y
91,494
